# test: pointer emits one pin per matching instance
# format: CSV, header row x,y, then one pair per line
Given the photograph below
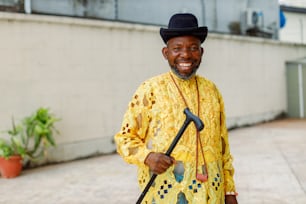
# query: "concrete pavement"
x,y
270,162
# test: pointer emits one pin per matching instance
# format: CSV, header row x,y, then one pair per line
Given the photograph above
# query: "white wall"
x,y
295,28
251,75
87,70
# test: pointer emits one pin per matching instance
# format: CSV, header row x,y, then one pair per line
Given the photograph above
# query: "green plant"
x,y
32,136
6,149
14,147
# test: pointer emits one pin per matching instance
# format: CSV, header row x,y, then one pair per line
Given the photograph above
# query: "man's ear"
x,y
165,52
202,50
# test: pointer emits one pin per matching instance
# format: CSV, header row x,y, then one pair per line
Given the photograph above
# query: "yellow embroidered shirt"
x,y
151,122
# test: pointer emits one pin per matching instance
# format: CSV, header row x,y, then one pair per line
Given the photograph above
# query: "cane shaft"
x,y
146,189
168,153
189,117
178,137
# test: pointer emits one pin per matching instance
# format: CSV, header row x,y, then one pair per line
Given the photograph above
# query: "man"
x,y
200,167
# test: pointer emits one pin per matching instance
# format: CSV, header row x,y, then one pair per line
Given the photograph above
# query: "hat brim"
x,y
198,32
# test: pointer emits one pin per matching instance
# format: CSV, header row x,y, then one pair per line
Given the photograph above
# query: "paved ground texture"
x,y
270,161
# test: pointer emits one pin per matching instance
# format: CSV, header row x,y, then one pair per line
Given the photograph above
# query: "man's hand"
x,y
230,199
158,162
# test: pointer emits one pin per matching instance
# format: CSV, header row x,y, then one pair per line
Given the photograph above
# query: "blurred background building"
x,y
283,19
251,17
294,29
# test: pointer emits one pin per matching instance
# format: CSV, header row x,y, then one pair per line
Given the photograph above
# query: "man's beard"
x,y
184,77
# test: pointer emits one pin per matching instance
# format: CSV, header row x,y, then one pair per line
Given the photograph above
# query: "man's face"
x,y
184,55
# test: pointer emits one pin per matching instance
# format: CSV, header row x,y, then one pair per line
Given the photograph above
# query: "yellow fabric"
x,y
152,120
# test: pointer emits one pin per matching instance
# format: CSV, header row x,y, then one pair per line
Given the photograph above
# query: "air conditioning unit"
x,y
252,23
254,18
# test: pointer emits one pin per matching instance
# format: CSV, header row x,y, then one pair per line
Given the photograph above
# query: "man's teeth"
x,y
185,64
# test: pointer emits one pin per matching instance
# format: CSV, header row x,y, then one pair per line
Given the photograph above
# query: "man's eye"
x,y
194,48
176,49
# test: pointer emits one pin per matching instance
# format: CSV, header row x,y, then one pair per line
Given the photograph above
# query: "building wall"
x,y
87,70
295,28
229,16
223,16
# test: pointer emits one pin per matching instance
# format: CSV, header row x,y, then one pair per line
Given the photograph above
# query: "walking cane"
x,y
189,117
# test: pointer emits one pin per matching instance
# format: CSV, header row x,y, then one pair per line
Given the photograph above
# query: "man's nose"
x,y
186,52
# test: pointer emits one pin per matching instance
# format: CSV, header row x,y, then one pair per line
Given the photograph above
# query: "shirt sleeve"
x,y
227,158
131,139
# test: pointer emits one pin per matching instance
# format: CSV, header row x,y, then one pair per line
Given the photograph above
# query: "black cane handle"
x,y
189,117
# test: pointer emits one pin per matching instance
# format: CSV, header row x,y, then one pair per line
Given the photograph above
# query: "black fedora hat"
x,y
181,24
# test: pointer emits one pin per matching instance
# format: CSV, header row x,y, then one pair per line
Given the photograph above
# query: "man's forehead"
x,y
188,39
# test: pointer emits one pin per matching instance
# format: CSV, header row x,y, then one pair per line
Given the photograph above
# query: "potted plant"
x,y
30,138
10,160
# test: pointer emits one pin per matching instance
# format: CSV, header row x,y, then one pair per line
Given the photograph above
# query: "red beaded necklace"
x,y
201,177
